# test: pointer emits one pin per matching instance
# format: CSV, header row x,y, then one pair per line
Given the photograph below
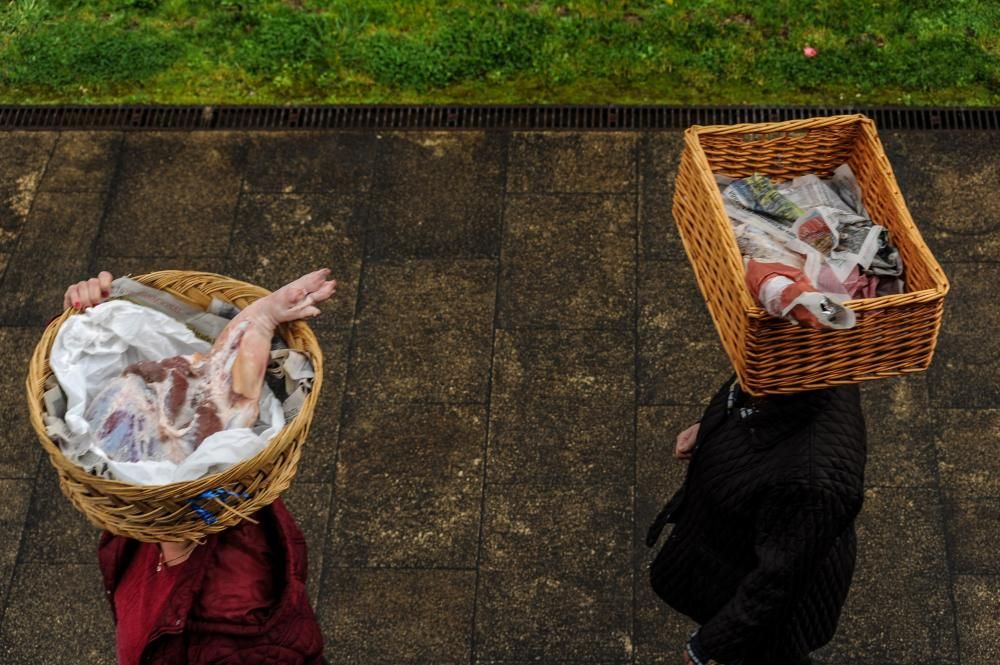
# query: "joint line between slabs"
x,y
344,401
489,391
27,217
19,556
234,224
114,184
637,178
949,557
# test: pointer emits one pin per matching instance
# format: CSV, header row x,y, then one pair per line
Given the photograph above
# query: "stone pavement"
x,y
515,342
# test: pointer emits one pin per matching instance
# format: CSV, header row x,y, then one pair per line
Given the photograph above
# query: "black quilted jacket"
x,y
763,547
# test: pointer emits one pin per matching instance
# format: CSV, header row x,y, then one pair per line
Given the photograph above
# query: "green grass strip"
x,y
918,52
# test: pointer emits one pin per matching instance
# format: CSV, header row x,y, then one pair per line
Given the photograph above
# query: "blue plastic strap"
x,y
218,493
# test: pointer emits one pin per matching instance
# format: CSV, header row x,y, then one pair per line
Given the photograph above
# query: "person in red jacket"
x,y
238,597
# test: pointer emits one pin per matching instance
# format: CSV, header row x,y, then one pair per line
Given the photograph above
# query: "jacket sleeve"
x,y
796,526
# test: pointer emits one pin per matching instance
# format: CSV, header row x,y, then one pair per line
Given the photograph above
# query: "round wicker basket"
x,y
192,509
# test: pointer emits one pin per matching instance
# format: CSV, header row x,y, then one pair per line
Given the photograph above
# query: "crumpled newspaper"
x,y
810,243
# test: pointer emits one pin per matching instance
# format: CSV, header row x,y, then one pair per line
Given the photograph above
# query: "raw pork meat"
x,y
163,410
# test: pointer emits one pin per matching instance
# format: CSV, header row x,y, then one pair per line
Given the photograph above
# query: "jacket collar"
x,y
773,417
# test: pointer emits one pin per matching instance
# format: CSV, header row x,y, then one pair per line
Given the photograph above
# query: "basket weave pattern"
x,y
894,335
164,512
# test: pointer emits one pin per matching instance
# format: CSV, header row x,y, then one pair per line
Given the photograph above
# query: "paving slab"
x,y
659,156
424,333
310,504
971,309
279,237
409,486
963,373
319,454
302,162
56,613
562,407
579,442
900,529
898,418
901,556
437,195
54,531
978,601
140,265
572,162
555,574
962,437
948,179
657,473
32,293
680,360
972,526
53,252
562,366
660,632
20,450
568,261
174,194
386,617
883,621
82,162
429,294
16,496
23,157
422,366
516,342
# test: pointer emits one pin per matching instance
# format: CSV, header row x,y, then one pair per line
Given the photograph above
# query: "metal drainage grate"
x,y
467,117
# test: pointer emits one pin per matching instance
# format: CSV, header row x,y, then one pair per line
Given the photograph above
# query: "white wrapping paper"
x,y
95,346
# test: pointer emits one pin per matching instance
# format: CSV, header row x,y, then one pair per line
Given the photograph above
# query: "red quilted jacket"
x,y
220,610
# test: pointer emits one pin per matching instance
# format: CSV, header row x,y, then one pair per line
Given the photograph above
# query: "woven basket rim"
x,y
782,126
941,286
184,487
876,302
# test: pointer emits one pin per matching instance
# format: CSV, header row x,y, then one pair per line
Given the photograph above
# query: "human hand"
x,y
89,292
687,658
685,442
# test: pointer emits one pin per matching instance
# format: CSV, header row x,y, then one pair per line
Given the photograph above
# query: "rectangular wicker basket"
x,y
894,334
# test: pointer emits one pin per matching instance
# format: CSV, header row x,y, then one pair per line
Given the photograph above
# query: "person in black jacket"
x,y
763,546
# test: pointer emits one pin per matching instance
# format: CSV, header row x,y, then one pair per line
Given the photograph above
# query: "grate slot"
x,y
585,117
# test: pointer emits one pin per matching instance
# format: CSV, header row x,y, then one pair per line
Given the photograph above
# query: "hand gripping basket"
x,y
894,334
192,509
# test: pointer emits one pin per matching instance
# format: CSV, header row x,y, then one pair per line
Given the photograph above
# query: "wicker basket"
x,y
192,509
894,334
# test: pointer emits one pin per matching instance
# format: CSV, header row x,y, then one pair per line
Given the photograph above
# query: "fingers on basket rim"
x,y
94,291
73,296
